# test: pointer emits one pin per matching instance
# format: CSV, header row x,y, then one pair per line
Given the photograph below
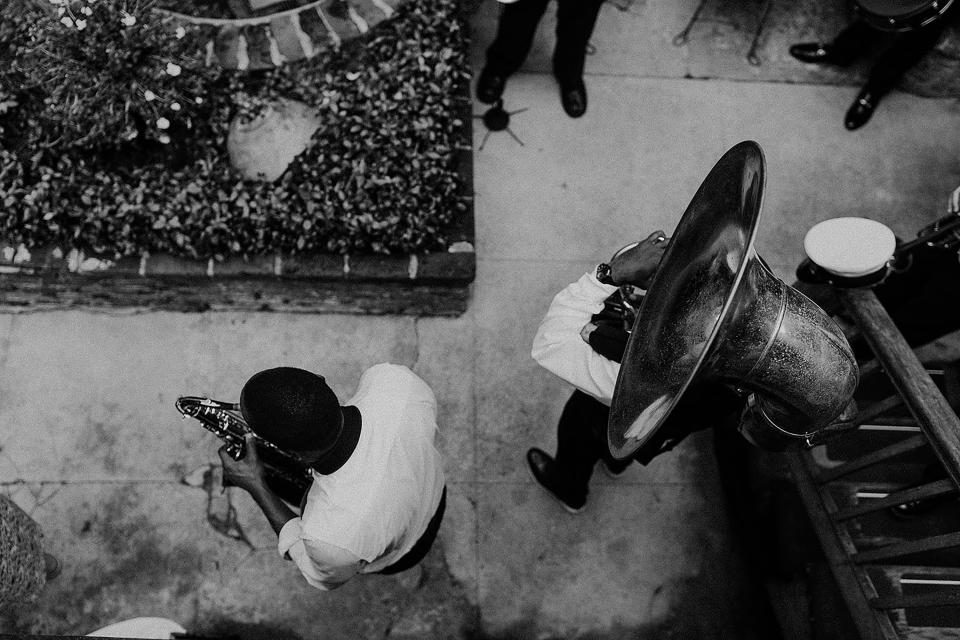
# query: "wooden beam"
x,y
931,490
920,394
938,599
933,543
854,584
872,458
873,411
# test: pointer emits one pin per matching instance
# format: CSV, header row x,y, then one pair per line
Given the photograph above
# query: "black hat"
x,y
293,409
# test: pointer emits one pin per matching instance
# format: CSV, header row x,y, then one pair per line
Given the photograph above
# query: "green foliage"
x,y
380,174
100,75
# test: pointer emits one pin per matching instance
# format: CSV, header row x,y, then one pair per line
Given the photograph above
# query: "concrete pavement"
x,y
92,445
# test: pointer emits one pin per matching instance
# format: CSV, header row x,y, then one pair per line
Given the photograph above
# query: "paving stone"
x,y
127,550
645,170
625,566
444,347
117,377
636,38
131,550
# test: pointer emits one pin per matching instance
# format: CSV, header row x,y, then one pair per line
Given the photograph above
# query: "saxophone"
x,y
286,473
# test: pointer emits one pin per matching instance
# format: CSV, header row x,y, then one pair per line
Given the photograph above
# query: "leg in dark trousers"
x,y
581,442
854,41
515,31
905,52
575,22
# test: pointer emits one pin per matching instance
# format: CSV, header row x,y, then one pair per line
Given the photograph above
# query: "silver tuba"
x,y
715,313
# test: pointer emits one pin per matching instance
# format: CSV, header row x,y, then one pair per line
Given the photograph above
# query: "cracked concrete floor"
x,y
93,447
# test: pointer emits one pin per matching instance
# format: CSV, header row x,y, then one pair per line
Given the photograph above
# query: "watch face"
x,y
603,274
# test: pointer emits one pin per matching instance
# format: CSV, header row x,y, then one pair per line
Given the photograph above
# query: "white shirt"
x,y
368,513
558,347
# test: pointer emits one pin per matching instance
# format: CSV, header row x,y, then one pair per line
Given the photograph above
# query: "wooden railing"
x,y
897,578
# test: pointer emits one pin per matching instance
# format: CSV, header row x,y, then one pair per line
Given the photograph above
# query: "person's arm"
x,y
276,510
561,346
558,347
324,566
247,473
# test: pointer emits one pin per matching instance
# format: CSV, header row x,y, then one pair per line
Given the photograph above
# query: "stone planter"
x,y
44,278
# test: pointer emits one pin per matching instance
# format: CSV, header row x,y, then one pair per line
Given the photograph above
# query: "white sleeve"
x,y
324,566
558,347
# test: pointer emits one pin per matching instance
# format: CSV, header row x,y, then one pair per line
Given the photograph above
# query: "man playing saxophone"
x,y
378,494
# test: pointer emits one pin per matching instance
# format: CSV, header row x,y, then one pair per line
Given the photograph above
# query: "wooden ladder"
x,y
892,585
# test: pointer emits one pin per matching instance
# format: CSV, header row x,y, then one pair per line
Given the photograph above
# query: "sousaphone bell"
x,y
715,314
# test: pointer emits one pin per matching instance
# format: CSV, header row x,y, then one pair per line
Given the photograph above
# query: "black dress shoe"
x,y
818,53
540,464
573,97
490,86
861,110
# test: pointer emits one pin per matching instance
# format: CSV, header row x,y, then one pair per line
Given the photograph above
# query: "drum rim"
x,y
908,20
901,13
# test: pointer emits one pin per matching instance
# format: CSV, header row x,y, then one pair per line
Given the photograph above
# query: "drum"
x,y
850,252
900,15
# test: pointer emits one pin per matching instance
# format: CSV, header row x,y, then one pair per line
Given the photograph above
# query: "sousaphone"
x,y
715,314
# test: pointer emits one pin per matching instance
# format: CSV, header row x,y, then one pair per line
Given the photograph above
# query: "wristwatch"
x,y
605,274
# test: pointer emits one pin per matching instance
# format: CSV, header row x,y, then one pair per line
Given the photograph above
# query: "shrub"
x,y
102,75
380,174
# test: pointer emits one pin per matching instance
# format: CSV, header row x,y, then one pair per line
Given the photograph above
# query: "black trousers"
x,y
582,433
518,25
904,51
581,443
419,550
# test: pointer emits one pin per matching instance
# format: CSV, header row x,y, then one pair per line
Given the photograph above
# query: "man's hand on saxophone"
x,y
247,472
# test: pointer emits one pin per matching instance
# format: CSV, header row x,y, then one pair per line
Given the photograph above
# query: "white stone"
x,y
264,147
22,255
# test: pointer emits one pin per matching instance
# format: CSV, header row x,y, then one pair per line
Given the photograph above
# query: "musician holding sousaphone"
x,y
582,340
375,493
717,341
